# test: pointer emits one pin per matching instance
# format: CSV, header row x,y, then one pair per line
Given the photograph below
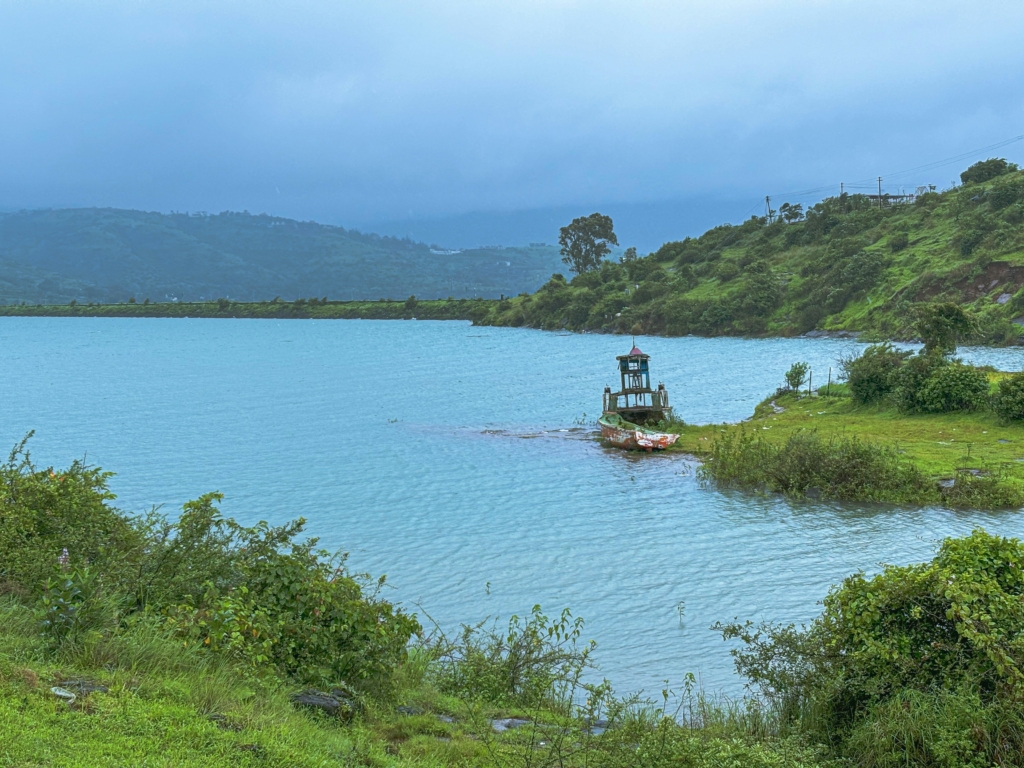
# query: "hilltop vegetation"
x,y
109,255
844,265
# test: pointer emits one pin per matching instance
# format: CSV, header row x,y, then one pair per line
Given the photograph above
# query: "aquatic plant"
x,y
807,464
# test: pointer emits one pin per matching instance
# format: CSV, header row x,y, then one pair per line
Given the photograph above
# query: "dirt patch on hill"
x,y
996,276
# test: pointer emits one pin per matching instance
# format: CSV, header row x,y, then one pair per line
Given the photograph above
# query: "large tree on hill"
x,y
585,242
986,169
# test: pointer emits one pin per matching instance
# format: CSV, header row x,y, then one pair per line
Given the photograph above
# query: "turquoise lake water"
x,y
463,463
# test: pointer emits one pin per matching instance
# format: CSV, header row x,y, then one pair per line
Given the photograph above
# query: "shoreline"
x,y
301,309
473,310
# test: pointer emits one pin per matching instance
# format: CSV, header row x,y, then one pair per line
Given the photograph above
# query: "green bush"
x,y
726,271
871,376
1008,401
899,241
970,240
1005,195
536,661
46,511
910,380
954,387
305,616
72,605
984,170
797,375
255,594
918,665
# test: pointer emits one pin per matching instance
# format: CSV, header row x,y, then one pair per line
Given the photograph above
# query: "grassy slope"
x,y
840,269
156,713
160,699
937,443
108,255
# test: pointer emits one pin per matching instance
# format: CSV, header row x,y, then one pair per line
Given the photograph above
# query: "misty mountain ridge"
x,y
644,225
111,255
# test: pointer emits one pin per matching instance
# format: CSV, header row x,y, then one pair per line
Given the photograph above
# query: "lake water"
x,y
453,459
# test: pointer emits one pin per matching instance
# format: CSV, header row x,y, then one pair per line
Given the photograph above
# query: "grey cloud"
x,y
363,112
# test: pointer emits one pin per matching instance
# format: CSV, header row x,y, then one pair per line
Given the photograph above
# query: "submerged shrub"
x,y
843,468
871,376
982,490
1008,401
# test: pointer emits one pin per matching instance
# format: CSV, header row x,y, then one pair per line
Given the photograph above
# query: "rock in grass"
x,y
509,724
63,693
338,703
83,687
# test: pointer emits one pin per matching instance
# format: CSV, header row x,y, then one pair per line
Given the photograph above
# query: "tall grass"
x,y
806,464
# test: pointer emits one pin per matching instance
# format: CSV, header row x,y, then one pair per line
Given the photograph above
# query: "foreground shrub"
x,y
255,594
919,665
908,383
537,661
44,512
871,376
954,387
844,468
1008,401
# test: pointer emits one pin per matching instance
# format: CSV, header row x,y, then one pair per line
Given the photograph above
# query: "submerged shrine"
x,y
627,411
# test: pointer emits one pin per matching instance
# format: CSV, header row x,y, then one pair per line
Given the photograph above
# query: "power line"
x,y
868,183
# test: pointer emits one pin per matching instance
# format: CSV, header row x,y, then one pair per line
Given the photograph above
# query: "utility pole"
x,y
768,208
879,191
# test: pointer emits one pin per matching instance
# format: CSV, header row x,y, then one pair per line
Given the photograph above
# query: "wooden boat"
x,y
625,434
627,412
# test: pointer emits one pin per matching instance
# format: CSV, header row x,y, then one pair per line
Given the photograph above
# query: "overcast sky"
x,y
360,112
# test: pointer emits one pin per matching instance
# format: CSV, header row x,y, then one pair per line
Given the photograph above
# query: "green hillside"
x,y
109,255
848,264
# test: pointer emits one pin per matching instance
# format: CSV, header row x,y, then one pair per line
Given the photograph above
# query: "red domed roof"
x,y
635,351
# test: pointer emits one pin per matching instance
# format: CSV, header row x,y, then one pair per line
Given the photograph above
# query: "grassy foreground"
x,y
165,706
186,642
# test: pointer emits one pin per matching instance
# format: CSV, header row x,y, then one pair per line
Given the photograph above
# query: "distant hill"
x,y
846,264
110,255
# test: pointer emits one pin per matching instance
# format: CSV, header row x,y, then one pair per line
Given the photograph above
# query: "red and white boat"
x,y
624,434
